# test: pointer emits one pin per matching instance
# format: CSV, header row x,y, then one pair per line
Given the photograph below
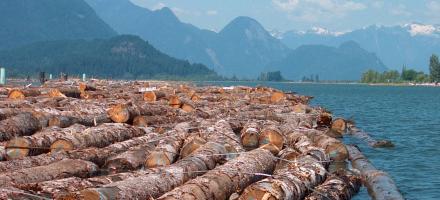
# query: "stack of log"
x,y
171,140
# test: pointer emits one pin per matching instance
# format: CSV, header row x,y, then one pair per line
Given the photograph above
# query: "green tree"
x,y
434,68
408,74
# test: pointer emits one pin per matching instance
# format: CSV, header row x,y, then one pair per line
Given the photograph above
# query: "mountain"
x,y
346,62
125,56
241,48
410,44
244,46
25,21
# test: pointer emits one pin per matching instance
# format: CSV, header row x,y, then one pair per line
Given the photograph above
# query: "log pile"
x,y
169,140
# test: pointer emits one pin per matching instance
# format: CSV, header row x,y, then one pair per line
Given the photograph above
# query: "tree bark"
x,y
379,184
57,170
100,136
19,125
226,179
154,182
95,155
132,159
38,143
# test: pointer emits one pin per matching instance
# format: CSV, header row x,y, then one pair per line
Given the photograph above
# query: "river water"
x,y
408,116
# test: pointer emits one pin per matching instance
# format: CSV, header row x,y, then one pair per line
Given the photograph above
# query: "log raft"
x,y
170,140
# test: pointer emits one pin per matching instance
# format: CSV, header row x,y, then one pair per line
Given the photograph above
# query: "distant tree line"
x,y
406,75
312,78
271,76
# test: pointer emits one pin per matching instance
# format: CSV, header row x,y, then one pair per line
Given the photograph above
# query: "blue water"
x,y
408,116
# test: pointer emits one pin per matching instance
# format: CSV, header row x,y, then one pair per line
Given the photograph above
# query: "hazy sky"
x,y
336,15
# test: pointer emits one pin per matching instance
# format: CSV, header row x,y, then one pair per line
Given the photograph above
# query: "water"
x,y
408,116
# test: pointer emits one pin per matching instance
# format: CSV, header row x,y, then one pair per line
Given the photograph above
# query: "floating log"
x,y
379,184
250,135
339,186
38,143
19,125
57,170
157,181
356,132
100,136
226,179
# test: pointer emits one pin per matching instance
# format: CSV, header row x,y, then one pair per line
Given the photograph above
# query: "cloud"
x,y
400,10
287,5
182,12
317,10
377,4
211,12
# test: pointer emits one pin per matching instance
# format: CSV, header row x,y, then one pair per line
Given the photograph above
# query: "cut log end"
x,y
337,152
157,159
174,101
61,145
56,93
339,125
187,107
277,97
150,96
16,94
119,113
140,121
17,148
253,193
271,136
191,146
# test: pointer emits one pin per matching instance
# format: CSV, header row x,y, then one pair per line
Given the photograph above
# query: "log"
x,y
98,156
250,135
379,184
21,94
339,186
277,97
292,181
358,133
100,136
132,159
222,132
270,134
174,101
167,150
152,96
157,181
19,125
339,125
122,113
85,87
57,170
64,121
39,143
65,92
226,179
9,112
190,145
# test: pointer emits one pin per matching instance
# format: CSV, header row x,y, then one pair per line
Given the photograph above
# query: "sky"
x,y
284,15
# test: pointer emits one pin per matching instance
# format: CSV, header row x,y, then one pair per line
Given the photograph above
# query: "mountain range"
x,y
122,57
243,47
409,44
26,21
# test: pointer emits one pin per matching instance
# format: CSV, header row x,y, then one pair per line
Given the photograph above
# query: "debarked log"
x,y
61,169
339,186
226,179
379,184
157,181
100,136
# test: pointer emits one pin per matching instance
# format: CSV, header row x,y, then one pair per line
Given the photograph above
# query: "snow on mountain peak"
x,y
323,31
421,29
